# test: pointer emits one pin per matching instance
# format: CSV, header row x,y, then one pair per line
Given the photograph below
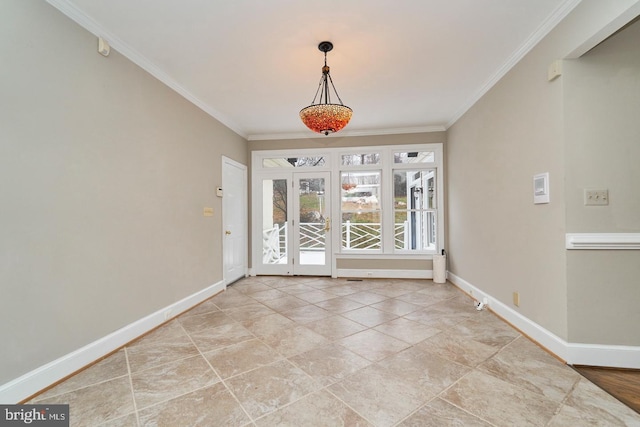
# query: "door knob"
x,y
227,232
327,224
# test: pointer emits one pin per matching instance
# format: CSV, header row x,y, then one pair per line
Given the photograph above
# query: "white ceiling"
x,y
402,66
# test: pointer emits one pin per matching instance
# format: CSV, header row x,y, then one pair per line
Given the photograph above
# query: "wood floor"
x,y
623,384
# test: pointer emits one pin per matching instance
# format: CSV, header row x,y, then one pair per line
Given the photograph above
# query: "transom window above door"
x,y
293,162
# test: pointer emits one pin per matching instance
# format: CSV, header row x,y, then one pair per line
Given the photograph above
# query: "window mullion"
x,y
388,214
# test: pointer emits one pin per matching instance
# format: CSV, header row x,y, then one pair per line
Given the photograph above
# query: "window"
x,y
293,162
360,210
414,209
360,159
389,200
414,157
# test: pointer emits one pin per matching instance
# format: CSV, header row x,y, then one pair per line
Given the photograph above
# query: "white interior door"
x,y
234,223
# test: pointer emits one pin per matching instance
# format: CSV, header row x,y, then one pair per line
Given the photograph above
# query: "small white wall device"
x,y
541,188
103,47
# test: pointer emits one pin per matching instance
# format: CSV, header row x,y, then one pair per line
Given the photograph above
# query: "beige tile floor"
x,y
291,351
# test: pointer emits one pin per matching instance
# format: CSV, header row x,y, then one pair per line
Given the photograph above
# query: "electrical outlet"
x,y
596,197
516,299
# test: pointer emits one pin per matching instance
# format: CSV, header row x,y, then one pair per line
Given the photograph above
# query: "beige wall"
x,y
361,141
499,240
385,264
104,173
602,106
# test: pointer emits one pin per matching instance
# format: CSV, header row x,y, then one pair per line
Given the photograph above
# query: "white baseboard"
x,y
32,382
574,354
618,356
384,274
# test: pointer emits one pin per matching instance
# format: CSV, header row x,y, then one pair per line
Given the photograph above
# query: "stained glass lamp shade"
x,y
324,116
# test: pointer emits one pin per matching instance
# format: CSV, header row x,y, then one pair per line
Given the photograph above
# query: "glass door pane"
x,y
312,225
274,221
313,217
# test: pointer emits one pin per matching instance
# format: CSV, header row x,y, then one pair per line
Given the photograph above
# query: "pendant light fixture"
x,y
324,116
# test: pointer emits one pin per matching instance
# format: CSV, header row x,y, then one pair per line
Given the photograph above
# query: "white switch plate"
x,y
596,197
541,188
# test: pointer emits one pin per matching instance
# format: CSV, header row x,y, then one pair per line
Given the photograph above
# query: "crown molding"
x,y
554,19
348,133
88,23
94,27
74,13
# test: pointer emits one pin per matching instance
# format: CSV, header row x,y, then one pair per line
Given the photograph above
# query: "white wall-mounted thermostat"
x,y
219,191
541,188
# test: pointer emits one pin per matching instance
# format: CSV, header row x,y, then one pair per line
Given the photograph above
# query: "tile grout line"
x,y
218,375
298,399
334,341
475,369
440,396
283,358
180,360
563,402
257,338
345,403
287,359
133,395
165,363
38,399
322,388
326,388
416,410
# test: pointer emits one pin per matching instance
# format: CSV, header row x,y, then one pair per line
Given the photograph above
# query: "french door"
x,y
296,224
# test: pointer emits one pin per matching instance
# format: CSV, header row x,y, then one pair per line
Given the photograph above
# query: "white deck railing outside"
x,y
358,236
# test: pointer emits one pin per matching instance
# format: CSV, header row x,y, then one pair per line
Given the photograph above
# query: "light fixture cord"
x,y
324,76
323,87
334,89
318,91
